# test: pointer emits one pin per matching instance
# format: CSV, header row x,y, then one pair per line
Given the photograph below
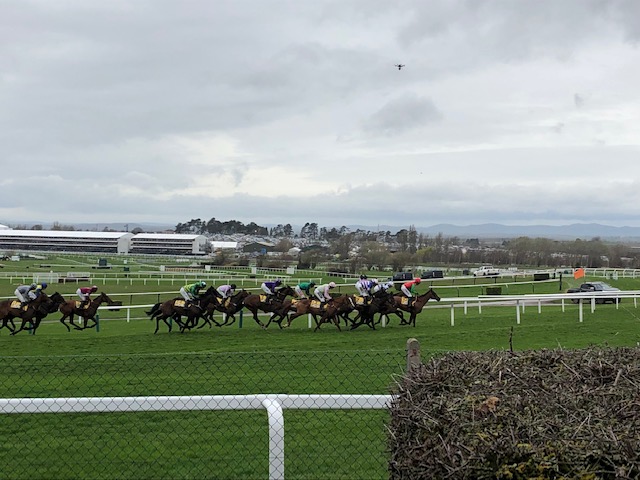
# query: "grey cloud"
x,y
578,100
401,114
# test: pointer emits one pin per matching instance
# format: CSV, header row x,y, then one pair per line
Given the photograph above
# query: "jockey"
x,y
85,294
22,293
270,287
226,291
322,292
362,286
303,289
409,288
35,293
382,286
190,292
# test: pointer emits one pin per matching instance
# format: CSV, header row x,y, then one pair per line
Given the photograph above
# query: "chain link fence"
x,y
199,443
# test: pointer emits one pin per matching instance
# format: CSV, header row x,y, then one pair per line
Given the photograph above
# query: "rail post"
x,y
413,354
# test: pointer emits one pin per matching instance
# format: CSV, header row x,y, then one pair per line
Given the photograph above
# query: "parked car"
x,y
602,287
432,273
400,276
485,271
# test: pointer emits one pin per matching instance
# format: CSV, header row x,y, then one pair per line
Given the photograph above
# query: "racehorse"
x,y
415,307
45,309
275,305
87,312
229,307
381,301
174,309
328,311
10,309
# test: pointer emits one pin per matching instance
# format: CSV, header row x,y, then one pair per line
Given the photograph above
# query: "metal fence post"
x,y
413,354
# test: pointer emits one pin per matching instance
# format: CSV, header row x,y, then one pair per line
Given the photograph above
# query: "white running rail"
x,y
274,405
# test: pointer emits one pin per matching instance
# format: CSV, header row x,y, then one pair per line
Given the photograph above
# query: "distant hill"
x,y
585,231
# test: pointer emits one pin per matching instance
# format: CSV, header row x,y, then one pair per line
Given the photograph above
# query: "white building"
x,y
65,241
168,244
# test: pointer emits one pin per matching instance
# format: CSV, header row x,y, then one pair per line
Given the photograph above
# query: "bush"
x,y
547,414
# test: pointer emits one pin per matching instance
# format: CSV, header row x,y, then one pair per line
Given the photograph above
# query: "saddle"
x,y
179,303
18,304
318,304
362,300
406,301
79,304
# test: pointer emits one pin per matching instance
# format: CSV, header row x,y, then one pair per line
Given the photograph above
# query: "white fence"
x,y
274,405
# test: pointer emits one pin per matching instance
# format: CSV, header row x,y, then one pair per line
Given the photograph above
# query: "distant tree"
x,y
59,226
137,230
255,229
283,245
36,227
277,231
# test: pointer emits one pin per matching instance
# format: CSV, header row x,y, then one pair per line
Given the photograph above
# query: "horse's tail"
x,y
153,310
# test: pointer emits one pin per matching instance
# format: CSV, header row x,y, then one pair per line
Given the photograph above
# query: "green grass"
x,y
128,359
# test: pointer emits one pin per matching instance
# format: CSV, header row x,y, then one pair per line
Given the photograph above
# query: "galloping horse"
x,y
87,312
10,309
174,309
275,305
229,307
45,309
328,311
414,308
381,301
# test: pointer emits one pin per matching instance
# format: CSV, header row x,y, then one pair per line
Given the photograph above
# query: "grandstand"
x,y
101,242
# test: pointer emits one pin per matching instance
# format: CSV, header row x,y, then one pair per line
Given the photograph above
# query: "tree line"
x,y
364,248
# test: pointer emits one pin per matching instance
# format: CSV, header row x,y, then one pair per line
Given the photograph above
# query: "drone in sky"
x,y
399,65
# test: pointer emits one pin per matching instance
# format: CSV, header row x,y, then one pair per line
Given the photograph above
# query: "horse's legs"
x,y
295,314
22,324
64,317
254,311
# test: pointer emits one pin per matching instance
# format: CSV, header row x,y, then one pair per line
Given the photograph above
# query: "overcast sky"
x,y
292,111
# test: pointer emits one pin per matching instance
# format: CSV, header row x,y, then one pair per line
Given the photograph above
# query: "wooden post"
x,y
413,354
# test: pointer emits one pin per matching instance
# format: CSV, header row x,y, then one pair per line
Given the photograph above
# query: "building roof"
x,y
3,227
167,236
219,244
62,234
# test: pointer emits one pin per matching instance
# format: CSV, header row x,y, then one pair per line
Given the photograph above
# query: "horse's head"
x,y
103,297
57,298
434,295
286,290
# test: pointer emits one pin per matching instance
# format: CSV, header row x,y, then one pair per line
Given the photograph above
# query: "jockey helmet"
x,y
94,288
43,285
363,277
233,286
312,284
332,284
417,280
278,281
203,284
374,281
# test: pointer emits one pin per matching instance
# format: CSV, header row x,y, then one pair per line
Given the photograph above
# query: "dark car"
x,y
433,273
400,276
600,287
